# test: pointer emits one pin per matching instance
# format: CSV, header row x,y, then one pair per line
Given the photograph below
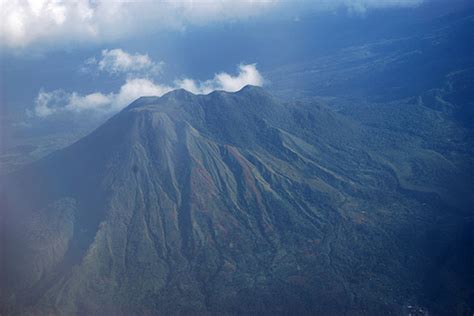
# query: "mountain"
x,y
234,203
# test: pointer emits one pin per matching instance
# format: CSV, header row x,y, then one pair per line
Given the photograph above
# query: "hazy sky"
x,y
55,23
70,57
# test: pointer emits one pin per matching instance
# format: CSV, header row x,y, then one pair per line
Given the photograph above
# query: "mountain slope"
x,y
224,203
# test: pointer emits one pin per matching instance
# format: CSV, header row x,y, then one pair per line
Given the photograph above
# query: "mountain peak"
x,y
251,88
244,90
254,92
178,93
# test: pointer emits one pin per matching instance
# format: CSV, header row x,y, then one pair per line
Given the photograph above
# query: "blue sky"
x,y
68,58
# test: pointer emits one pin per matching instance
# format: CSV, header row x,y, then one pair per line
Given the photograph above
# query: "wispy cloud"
x,y
362,6
117,61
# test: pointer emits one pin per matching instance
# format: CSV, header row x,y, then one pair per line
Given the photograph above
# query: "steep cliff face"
x,y
224,203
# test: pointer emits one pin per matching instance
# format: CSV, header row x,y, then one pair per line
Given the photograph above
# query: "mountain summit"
x,y
218,203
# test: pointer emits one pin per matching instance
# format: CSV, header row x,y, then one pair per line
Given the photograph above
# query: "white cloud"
x,y
61,102
135,88
56,23
48,103
248,75
91,101
26,22
117,61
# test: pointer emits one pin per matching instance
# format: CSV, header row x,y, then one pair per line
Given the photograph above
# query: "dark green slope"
x,y
225,203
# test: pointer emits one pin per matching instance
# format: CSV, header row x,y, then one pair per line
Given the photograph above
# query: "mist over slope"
x,y
242,203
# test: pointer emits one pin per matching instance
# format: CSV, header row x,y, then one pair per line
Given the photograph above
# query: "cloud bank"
x,y
55,23
49,103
